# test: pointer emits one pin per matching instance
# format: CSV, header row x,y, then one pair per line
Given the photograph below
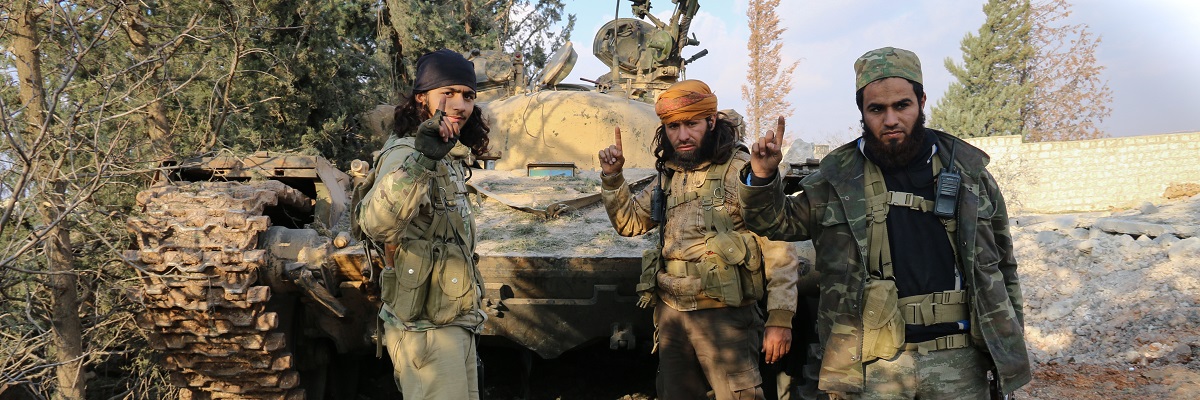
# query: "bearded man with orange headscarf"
x,y
708,272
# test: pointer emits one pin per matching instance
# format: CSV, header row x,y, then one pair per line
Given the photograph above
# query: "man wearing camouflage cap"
x,y
919,290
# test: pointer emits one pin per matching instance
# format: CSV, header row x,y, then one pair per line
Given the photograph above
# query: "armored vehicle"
x,y
254,288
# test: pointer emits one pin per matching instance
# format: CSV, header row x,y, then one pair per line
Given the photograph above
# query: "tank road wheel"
x,y
221,332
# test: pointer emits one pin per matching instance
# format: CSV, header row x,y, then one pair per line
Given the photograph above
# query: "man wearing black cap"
x,y
920,297
418,209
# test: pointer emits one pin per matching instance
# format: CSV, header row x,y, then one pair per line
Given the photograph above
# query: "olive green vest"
x,y
731,275
884,314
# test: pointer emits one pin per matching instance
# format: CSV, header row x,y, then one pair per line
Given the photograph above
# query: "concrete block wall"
x,y
1090,175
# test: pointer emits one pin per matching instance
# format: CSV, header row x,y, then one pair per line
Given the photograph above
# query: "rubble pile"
x,y
1120,287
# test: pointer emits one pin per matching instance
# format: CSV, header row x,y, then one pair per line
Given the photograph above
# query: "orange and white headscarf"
x,y
684,101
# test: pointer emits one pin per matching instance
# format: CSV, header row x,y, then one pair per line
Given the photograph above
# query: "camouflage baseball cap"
x,y
886,63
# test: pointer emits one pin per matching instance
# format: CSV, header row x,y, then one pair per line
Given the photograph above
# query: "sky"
x,y
1150,50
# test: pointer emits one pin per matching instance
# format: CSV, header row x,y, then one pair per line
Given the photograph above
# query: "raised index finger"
x,y
618,137
442,106
780,125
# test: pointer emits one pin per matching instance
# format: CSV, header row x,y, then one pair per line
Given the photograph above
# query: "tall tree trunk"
x,y
67,330
29,62
467,11
158,124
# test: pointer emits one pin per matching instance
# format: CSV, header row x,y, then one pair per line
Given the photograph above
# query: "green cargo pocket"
x,y
456,275
729,246
883,327
651,264
744,384
387,283
453,284
413,267
754,255
752,278
721,281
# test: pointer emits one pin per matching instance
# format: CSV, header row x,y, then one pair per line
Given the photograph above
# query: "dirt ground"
x,y
1112,304
1112,301
1112,382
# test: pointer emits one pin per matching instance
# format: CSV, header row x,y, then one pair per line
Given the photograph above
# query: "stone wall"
x,y
1091,175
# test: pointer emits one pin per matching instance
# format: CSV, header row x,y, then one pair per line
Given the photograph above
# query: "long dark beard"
x,y
702,154
892,155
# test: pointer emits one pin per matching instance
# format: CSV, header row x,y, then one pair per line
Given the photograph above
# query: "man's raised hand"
x,y
435,136
766,152
448,130
612,159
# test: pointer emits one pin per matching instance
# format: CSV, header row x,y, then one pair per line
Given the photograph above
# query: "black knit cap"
x,y
443,68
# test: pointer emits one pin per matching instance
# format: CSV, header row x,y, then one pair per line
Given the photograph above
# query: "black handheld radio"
x,y
658,203
949,181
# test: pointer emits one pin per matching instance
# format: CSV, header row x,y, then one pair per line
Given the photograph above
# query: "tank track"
x,y
206,309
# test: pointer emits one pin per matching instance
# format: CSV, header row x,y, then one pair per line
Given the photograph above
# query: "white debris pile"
x,y
1119,287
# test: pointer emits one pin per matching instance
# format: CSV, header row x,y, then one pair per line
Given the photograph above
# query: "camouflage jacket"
x,y
685,239
399,208
831,211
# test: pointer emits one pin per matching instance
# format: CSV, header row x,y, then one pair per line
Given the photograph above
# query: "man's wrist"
x,y
612,182
752,179
780,318
424,161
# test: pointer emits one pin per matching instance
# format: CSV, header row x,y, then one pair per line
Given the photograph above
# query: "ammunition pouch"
x,y
733,273
431,280
387,285
883,327
652,262
721,281
752,274
454,276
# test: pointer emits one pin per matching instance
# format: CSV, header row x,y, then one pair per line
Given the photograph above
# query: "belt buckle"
x,y
902,199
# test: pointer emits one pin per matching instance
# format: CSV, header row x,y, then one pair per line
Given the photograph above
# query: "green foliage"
x,y
417,27
993,87
240,75
529,28
204,77
273,75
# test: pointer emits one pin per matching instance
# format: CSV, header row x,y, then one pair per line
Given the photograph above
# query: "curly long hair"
x,y
719,143
474,133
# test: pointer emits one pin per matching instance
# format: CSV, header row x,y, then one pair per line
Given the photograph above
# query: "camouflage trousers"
x,y
437,364
719,346
943,374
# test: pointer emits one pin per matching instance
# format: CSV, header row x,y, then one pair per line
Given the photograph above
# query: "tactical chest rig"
x,y
435,278
884,314
728,275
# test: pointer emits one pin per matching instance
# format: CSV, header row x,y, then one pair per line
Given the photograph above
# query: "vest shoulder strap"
x,y
879,202
711,195
712,199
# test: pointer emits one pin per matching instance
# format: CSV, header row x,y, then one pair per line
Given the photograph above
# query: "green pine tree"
x,y
993,87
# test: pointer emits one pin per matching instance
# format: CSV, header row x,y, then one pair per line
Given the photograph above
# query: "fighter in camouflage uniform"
x,y
913,304
709,271
417,208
